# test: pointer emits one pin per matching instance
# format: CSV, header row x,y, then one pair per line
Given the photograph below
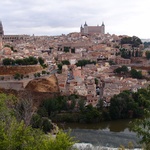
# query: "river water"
x,y
104,134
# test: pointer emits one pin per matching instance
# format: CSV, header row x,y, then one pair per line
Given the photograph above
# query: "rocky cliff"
x,y
45,84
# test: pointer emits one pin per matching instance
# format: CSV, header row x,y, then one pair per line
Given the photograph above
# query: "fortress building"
x,y
88,30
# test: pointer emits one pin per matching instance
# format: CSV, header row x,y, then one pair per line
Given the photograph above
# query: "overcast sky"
x,y
54,17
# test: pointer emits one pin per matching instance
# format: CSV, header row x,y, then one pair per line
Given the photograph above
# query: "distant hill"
x,y
145,40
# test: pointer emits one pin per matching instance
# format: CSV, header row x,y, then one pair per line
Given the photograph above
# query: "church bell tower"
x,y
1,35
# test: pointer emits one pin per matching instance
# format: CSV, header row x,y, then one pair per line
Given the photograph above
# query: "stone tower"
x,y
81,29
85,28
103,28
1,29
1,35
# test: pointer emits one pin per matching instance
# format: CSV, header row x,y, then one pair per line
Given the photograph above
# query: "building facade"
x,y
88,30
10,38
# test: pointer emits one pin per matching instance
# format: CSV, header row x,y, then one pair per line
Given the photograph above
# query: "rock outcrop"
x,y
44,84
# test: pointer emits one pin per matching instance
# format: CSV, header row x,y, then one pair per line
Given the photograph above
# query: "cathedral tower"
x,y
103,28
1,29
1,35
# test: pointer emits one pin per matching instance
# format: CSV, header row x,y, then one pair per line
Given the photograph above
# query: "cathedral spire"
x,y
103,24
1,28
85,24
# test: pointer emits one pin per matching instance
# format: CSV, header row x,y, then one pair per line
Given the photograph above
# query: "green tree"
x,y
124,53
124,69
96,81
90,114
63,141
81,104
19,61
134,41
66,49
111,62
17,76
119,105
85,62
147,54
43,72
100,104
136,53
59,66
41,60
65,62
136,74
142,126
126,40
8,61
32,60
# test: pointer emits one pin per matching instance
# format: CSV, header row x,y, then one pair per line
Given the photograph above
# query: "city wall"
x,y
12,85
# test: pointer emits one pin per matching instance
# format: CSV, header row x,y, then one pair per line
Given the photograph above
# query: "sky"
x,y
56,17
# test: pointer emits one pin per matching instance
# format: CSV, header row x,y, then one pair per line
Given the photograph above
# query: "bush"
x,y
43,72
38,74
35,75
18,76
2,78
44,66
66,117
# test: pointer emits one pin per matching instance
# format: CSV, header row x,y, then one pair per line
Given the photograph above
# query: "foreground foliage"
x,y
16,135
142,126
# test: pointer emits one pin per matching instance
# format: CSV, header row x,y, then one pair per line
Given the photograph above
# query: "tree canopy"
x,y
147,54
136,74
84,62
134,41
26,61
128,104
65,62
123,69
142,125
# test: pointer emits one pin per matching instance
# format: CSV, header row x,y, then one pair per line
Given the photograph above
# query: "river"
x,y
104,134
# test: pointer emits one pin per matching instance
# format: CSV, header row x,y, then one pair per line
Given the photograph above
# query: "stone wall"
x,y
12,85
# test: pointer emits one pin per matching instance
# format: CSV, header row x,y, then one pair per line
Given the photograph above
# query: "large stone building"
x,y
10,38
85,30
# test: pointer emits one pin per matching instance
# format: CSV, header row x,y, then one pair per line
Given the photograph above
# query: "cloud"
x,y
62,16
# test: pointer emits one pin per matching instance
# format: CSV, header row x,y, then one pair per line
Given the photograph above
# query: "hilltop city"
x,y
89,63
